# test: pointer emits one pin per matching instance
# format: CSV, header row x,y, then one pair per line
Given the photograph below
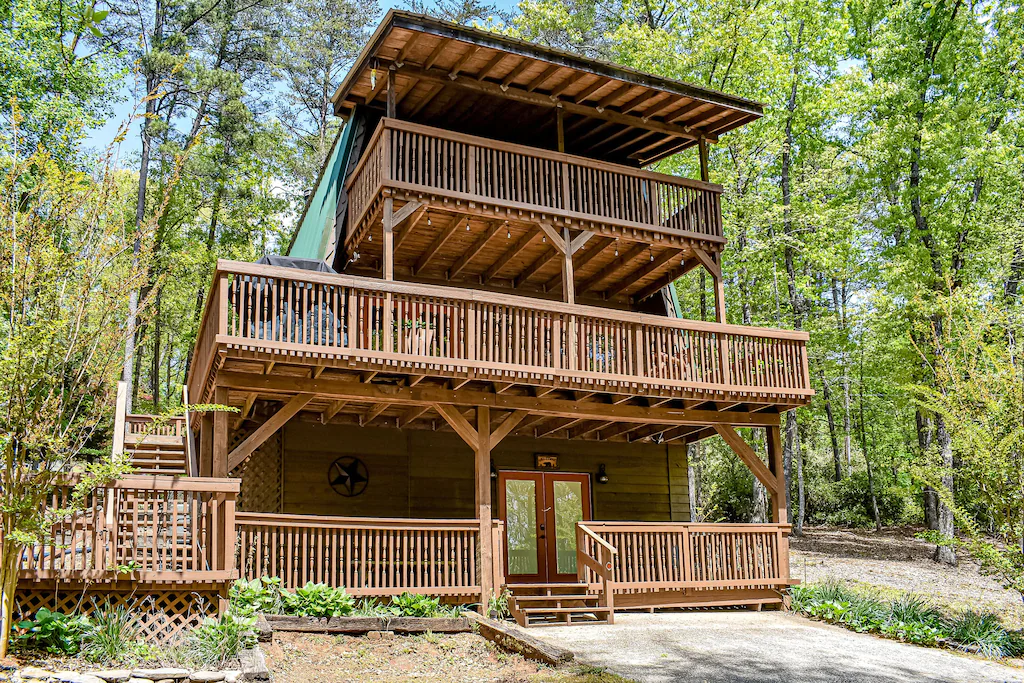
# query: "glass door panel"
x,y
521,526
568,501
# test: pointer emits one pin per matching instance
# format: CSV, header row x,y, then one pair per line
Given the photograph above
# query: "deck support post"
x,y
483,503
206,445
220,435
775,464
481,439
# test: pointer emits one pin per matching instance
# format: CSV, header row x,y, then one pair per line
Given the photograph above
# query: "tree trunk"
x,y
826,397
930,499
945,554
798,526
864,448
8,585
154,367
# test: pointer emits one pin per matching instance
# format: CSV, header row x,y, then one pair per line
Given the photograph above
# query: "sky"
x,y
99,138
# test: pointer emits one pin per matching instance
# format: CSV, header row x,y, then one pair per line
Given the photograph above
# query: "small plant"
x,y
411,605
216,641
497,605
913,608
319,600
369,607
54,632
263,595
113,637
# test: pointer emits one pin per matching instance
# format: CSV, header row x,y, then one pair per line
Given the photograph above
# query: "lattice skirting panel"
x,y
162,614
261,475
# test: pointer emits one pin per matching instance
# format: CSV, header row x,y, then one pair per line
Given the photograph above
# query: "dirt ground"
x,y
309,658
894,560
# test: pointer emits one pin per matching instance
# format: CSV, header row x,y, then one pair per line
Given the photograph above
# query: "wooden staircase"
x,y
555,604
160,448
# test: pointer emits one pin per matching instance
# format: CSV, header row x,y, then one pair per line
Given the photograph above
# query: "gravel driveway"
x,y
741,646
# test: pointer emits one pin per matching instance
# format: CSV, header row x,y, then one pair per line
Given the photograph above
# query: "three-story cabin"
x,y
479,377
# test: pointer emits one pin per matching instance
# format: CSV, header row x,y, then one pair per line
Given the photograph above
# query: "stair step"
x,y
514,586
562,610
553,598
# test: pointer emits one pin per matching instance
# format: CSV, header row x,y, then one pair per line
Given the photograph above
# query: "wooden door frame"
x,y
547,562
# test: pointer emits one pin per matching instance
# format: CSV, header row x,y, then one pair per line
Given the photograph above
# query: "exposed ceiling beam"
x,y
640,273
541,100
475,249
457,67
615,266
489,67
438,243
436,53
544,75
555,407
514,250
400,59
243,450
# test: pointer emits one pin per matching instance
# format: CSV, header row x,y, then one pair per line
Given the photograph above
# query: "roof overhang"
x,y
483,83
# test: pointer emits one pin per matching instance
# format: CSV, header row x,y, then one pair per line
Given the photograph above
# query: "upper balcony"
x,y
482,210
267,319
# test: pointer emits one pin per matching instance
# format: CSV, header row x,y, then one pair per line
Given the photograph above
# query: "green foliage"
x,y
411,605
497,606
114,637
318,600
263,595
54,632
217,641
908,617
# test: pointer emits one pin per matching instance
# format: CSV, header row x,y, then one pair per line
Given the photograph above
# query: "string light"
x,y
616,246
428,221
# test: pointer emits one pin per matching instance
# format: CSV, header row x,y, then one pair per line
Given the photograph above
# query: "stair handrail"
x,y
603,565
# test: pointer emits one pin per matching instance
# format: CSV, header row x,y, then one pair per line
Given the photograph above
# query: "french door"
x,y
540,511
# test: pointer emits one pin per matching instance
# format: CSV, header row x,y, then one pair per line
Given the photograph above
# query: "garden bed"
x,y
363,625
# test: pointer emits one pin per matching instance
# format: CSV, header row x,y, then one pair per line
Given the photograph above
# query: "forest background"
x,y
879,204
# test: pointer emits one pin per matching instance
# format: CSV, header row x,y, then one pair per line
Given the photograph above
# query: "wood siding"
x,y
416,473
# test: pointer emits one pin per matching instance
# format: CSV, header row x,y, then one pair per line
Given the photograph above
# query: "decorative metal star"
x,y
348,476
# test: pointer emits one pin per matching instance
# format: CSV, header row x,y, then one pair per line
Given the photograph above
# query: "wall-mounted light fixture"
x,y
602,475
494,471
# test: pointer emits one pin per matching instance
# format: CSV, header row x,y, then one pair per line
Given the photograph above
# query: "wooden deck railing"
x,y
408,156
140,426
291,311
668,555
367,556
157,529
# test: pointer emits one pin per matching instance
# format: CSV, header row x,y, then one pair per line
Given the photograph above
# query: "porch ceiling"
x,y
258,386
438,244
485,83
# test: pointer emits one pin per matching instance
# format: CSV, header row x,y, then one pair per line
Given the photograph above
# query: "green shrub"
x,y
411,605
216,641
983,632
259,596
114,637
913,608
319,600
910,618
54,632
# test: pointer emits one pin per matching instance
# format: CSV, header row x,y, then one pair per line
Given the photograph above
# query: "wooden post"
x,y
389,271
220,435
568,279
719,290
206,446
702,149
775,464
483,503
120,409
391,106
560,126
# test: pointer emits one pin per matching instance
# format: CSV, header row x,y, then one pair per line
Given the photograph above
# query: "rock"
x,y
139,680
161,674
35,672
113,675
206,676
232,676
379,635
75,677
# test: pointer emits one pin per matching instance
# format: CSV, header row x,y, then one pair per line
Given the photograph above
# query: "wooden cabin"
x,y
471,373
